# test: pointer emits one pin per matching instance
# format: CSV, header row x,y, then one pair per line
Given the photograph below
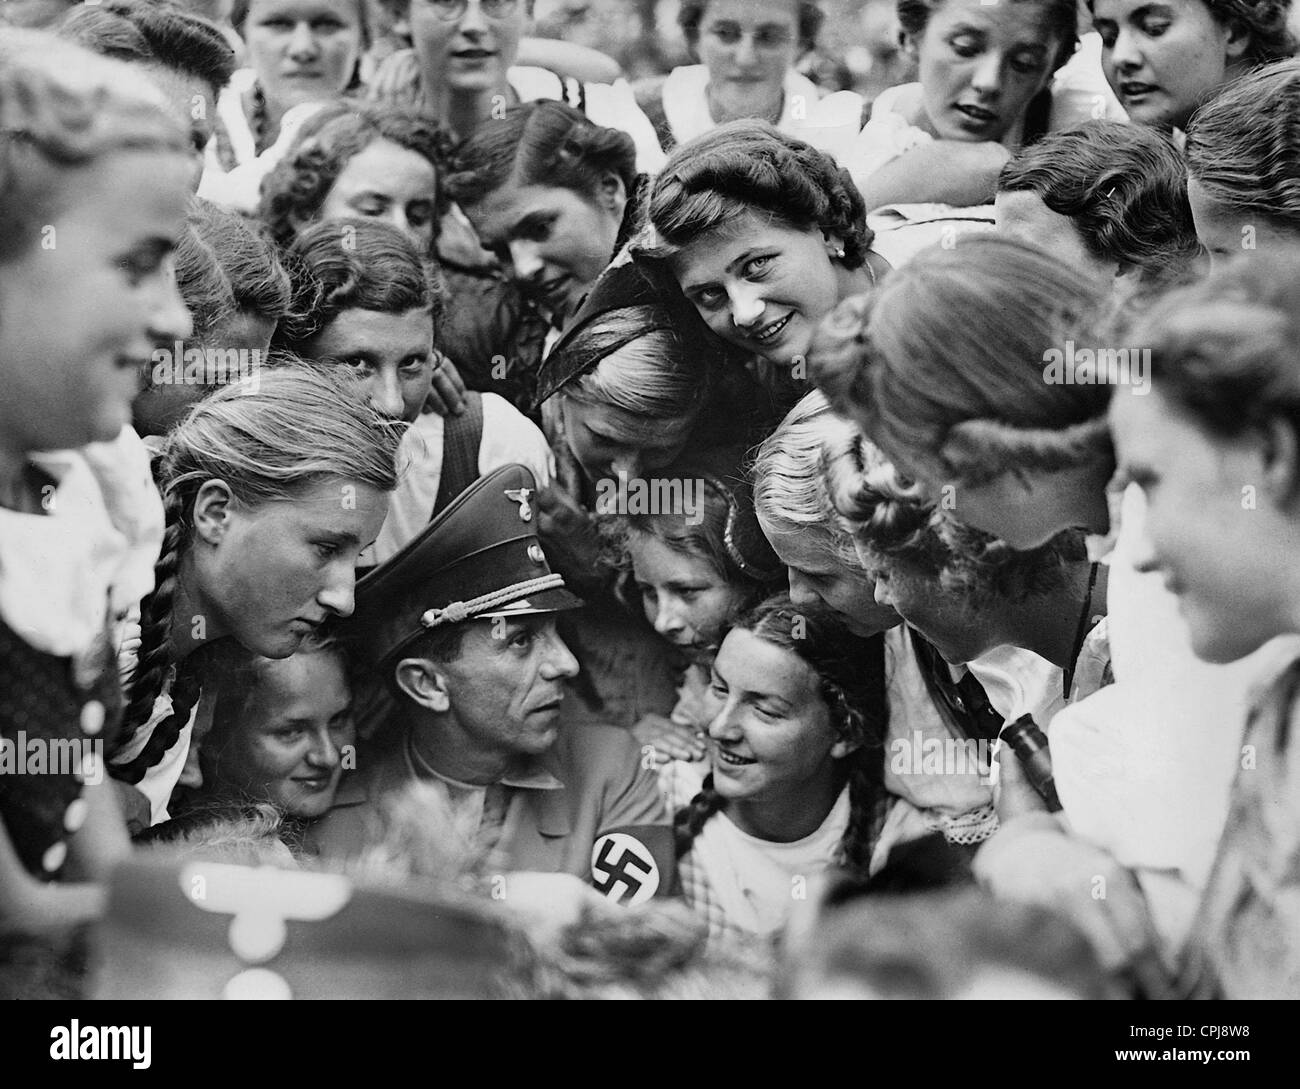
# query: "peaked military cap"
x,y
479,558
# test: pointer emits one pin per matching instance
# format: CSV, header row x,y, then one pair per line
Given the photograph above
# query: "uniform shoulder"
x,y
598,749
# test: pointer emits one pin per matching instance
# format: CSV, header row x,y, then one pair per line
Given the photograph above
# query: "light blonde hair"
x,y
62,108
269,439
789,487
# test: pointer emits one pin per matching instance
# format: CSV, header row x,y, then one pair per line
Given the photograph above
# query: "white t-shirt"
x,y
509,438
754,880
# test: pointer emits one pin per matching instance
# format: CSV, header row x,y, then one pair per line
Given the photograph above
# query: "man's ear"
x,y
212,510
1280,456
612,193
1238,40
424,684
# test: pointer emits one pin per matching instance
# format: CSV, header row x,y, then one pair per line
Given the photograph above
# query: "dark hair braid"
x,y
154,657
852,674
185,693
691,819
868,800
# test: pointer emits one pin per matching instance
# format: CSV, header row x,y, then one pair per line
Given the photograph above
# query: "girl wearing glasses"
x,y
747,51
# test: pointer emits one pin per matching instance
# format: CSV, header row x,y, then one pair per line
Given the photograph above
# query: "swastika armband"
x,y
632,864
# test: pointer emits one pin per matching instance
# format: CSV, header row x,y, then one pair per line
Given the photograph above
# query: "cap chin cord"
x,y
459,611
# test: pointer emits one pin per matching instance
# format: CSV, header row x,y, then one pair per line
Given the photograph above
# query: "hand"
x,y
568,533
1016,795
447,390
670,740
547,903
136,809
1032,859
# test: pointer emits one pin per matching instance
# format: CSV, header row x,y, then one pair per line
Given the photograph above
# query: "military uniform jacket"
x,y
586,808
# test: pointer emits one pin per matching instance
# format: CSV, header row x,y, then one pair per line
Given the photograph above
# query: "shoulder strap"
x,y
461,438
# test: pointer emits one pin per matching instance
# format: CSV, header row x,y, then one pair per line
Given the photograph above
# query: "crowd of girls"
x,y
928,467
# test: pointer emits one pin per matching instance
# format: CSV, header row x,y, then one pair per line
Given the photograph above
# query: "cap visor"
x,y
548,601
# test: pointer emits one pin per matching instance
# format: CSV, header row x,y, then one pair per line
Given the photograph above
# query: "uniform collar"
x,y
532,774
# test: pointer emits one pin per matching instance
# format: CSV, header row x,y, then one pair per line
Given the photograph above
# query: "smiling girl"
x,y
272,488
280,735
692,572
1225,409
1164,58
92,197
796,515
764,234
795,746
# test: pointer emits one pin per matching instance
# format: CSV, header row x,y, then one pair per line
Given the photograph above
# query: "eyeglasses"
x,y
451,10
765,37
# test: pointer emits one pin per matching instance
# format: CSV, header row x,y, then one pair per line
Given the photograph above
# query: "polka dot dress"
x,y
56,716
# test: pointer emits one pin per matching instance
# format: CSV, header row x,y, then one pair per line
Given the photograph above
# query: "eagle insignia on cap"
x,y
522,496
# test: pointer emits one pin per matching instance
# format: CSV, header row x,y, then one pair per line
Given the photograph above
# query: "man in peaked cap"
x,y
461,626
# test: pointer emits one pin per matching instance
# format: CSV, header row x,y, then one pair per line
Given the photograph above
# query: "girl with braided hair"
x,y
764,234
272,487
796,750
94,178
1164,64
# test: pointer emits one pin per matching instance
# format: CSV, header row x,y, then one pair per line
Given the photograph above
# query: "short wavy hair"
x,y
1243,146
293,192
541,143
354,264
747,166
1123,186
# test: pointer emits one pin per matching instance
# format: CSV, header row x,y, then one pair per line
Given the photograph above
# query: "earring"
x,y
836,253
